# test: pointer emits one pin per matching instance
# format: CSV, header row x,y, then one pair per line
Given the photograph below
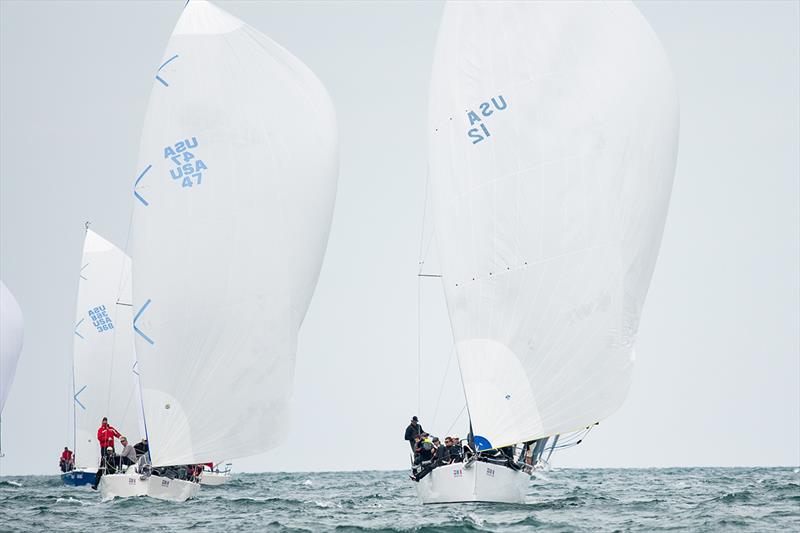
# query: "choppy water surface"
x,y
697,499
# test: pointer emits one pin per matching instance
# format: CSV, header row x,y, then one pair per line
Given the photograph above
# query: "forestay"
x,y
104,359
553,137
11,330
234,198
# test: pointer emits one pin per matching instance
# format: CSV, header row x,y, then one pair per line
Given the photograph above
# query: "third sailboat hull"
x,y
162,488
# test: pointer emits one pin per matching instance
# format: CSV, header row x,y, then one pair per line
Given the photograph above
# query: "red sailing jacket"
x,y
106,434
66,455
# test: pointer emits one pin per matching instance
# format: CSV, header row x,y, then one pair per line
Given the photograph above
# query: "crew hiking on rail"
x,y
429,452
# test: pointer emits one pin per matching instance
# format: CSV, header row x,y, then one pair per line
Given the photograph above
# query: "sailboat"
x,y
104,378
552,148
11,333
215,477
233,202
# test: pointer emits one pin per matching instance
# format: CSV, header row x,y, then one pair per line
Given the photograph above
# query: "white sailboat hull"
x,y
175,490
122,486
214,479
478,482
162,488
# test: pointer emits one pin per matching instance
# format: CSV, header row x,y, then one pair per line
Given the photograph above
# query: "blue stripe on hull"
x,y
77,478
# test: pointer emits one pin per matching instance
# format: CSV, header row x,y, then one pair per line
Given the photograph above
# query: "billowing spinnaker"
x,y
11,329
238,168
104,359
553,137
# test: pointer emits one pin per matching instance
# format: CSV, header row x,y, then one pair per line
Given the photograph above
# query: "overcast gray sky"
x,y
717,377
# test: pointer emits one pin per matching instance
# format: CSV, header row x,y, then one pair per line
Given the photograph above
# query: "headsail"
x,y
553,136
234,198
11,330
104,359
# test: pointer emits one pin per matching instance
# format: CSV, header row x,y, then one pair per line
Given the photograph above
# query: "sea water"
x,y
568,500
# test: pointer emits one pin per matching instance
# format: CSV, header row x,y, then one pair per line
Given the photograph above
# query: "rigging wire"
x,y
573,439
441,387
458,417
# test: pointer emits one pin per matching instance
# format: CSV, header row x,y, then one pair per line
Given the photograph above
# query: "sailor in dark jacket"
x,y
440,452
141,448
108,465
413,429
453,449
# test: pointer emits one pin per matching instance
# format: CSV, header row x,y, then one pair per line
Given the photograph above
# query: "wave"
x,y
734,497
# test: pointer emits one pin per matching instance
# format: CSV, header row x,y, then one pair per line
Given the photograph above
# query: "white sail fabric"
x,y
11,330
553,138
104,359
234,199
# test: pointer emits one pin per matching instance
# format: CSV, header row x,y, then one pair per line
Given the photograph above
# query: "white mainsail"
x,y
103,355
553,137
234,198
11,332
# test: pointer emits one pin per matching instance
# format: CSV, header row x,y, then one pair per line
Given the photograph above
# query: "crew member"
x,y
128,455
107,466
105,436
442,452
424,448
66,462
413,429
454,449
142,448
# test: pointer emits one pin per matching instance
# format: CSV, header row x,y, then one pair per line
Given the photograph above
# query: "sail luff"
x,y
11,338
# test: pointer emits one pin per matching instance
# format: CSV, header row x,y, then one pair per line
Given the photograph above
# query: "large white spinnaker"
x,y
553,135
11,332
234,197
104,359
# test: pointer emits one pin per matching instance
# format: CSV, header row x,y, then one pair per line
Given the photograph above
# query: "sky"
x,y
717,375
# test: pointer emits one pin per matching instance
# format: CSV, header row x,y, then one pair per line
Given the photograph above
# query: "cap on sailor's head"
x,y
414,418
109,448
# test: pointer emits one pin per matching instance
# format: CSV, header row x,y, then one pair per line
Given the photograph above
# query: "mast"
x,y
74,414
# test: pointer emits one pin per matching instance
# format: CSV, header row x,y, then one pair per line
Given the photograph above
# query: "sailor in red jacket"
x,y
66,463
105,436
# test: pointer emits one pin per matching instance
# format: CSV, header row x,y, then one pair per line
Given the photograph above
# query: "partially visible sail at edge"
x,y
11,332
104,360
553,137
233,202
